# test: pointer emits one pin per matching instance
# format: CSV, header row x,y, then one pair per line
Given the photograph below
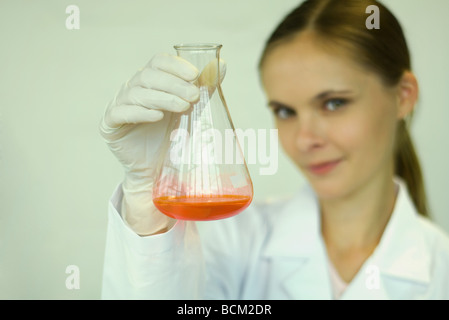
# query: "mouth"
x,y
323,168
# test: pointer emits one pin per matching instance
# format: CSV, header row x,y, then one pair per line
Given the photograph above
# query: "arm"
x,y
164,266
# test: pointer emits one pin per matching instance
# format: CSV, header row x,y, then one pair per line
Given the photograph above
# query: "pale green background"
x,y
57,174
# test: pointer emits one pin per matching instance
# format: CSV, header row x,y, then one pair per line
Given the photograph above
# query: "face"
x,y
336,120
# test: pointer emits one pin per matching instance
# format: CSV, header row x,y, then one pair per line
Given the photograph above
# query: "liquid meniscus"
x,y
202,208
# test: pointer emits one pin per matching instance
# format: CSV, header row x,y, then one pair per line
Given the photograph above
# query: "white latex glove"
x,y
135,123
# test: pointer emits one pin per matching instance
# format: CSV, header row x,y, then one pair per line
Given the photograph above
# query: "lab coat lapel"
x,y
310,280
403,255
295,249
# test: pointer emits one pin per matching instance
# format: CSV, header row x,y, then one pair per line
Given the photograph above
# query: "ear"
x,y
407,94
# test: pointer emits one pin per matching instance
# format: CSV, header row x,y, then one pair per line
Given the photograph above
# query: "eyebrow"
x,y
275,104
321,96
326,94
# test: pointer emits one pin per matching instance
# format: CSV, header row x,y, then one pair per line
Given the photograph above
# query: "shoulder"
x,y
252,223
437,245
437,240
414,229
255,221
272,212
251,228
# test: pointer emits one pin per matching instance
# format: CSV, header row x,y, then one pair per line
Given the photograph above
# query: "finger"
x,y
163,81
208,79
153,99
174,65
131,114
213,73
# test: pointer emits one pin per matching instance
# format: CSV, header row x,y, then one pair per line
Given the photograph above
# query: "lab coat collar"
x,y
296,241
402,251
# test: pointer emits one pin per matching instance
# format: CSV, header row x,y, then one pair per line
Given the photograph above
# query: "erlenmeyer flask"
x,y
202,174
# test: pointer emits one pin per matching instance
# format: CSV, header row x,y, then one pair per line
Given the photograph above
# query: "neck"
x,y
357,221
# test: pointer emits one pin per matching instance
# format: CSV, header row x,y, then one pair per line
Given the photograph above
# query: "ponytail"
x,y
408,168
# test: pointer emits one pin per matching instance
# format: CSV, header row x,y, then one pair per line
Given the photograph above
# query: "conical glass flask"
x,y
202,173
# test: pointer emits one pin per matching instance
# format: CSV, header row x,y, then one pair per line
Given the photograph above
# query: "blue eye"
x,y
283,113
334,104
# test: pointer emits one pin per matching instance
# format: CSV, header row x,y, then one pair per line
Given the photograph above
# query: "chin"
x,y
328,189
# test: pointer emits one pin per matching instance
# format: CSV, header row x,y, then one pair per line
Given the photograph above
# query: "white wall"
x,y
56,172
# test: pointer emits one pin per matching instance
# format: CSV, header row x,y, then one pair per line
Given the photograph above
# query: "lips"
x,y
323,167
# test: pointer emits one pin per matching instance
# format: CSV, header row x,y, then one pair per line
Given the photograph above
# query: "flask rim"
x,y
197,46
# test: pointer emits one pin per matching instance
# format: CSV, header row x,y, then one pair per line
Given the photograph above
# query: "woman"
x,y
341,95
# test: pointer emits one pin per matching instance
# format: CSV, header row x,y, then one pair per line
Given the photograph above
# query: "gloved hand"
x,y
135,123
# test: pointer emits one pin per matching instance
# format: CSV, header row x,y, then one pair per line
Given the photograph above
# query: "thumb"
x,y
212,74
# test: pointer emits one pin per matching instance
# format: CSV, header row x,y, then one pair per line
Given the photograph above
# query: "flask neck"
x,y
202,56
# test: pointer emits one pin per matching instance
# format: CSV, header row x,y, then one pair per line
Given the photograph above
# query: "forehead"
x,y
304,66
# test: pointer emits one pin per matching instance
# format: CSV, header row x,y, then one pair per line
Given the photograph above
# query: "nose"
x,y
309,135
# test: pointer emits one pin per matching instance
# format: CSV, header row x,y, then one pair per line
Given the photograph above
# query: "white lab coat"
x,y
272,251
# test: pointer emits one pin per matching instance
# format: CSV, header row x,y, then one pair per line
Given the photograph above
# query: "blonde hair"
x,y
382,50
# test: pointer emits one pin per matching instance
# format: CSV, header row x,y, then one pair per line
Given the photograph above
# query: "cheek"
x,y
371,135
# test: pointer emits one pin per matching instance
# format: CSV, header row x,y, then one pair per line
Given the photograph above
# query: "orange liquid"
x,y
202,208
